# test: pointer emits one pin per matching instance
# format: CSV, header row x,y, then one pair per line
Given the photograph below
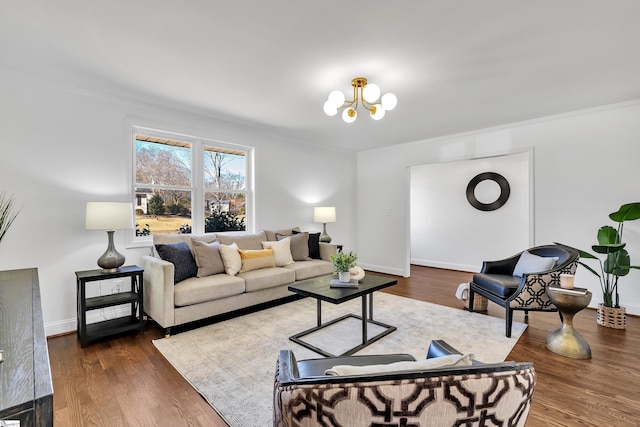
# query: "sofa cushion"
x,y
208,258
265,278
530,263
281,251
502,285
256,259
271,234
202,289
309,269
187,238
314,244
245,241
419,365
299,245
231,258
178,254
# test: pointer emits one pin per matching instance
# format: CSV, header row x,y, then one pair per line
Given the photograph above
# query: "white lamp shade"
x,y
379,112
349,115
371,92
330,109
109,216
324,214
336,98
389,101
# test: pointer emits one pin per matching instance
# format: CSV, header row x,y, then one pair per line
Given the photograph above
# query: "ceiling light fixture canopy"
x,y
367,94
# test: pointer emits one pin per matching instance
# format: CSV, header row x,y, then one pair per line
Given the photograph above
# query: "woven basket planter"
x,y
615,318
479,303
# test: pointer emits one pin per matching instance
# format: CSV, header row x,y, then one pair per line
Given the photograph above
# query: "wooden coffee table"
x,y
319,289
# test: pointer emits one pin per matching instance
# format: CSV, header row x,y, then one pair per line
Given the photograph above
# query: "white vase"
x,y
344,276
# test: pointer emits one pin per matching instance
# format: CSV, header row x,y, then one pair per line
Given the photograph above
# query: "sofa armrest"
x,y
327,249
158,290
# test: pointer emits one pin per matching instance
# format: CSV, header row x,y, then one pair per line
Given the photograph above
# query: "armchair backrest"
x,y
530,294
444,396
565,254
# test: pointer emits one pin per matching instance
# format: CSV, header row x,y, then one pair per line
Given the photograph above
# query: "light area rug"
x,y
232,363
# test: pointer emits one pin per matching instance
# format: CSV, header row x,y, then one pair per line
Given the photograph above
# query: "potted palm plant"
x,y
8,213
616,264
343,263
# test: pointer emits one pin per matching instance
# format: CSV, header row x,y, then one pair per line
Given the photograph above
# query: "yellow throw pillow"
x,y
255,259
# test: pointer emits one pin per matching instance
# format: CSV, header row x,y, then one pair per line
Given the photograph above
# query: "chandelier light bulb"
x,y
336,98
330,109
389,101
349,115
377,112
371,92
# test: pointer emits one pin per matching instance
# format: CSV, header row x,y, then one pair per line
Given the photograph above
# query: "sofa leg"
x,y
509,320
167,333
526,317
470,303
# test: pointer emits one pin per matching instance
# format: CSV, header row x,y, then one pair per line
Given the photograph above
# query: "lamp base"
x,y
111,260
324,237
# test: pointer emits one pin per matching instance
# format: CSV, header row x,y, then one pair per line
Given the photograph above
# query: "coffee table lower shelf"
x,y
365,341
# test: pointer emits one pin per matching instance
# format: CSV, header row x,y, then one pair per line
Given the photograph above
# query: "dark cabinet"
x,y
26,390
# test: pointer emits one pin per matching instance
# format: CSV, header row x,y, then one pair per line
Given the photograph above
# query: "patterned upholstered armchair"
x,y
480,394
527,291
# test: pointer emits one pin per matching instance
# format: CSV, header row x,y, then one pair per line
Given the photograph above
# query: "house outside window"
x,y
189,185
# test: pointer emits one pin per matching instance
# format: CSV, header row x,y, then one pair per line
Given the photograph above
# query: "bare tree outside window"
x,y
164,189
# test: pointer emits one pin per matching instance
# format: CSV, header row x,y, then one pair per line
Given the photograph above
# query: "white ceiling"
x,y
455,66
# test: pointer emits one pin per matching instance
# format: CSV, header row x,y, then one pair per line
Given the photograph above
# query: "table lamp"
x,y
109,216
324,215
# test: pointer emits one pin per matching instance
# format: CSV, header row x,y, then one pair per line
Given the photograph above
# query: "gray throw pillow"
x,y
530,263
178,254
208,258
299,246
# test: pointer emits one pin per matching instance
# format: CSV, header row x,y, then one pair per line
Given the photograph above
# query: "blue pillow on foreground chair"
x,y
521,281
452,394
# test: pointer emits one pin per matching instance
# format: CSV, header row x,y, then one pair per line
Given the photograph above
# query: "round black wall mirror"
x,y
499,202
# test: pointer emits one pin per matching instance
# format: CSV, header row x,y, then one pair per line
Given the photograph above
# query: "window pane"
x,y
162,211
224,169
224,211
163,163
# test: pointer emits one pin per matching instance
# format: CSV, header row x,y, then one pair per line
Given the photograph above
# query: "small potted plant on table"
x,y
343,263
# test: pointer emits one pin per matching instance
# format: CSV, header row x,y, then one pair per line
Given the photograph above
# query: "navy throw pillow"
x,y
180,256
314,244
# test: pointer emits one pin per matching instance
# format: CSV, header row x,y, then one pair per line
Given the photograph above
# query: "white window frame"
x,y
197,177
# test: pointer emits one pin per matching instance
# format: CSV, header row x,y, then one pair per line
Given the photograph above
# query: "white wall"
x,y
585,167
62,147
447,232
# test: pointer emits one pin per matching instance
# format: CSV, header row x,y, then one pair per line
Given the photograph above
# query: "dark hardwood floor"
x,y
126,382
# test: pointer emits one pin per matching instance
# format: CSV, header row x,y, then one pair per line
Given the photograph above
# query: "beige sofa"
x,y
171,303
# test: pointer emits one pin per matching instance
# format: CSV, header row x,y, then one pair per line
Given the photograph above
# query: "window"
x,y
184,184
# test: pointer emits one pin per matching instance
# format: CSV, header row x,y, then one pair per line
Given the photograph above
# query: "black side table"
x,y
133,296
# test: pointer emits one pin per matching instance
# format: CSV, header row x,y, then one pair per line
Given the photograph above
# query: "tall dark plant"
x,y
617,262
8,213
223,221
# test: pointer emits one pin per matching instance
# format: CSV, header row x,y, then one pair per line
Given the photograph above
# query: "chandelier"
x,y
367,94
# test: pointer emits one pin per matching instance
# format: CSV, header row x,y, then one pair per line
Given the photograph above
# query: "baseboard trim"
x,y
446,265
382,269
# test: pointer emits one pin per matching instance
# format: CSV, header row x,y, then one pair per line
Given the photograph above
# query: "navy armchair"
x,y
527,290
